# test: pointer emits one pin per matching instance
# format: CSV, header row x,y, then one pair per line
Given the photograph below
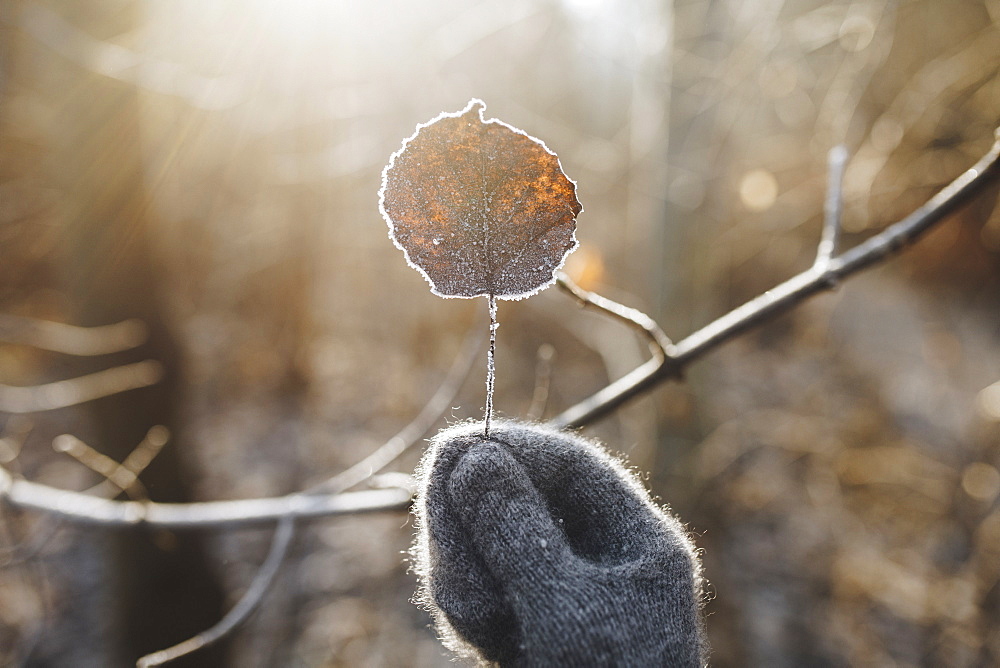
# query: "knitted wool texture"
x,y
537,548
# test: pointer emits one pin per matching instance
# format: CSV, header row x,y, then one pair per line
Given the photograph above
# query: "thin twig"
x,y
95,511
491,366
244,607
123,477
59,337
143,454
543,381
659,343
119,478
790,293
833,206
73,391
409,435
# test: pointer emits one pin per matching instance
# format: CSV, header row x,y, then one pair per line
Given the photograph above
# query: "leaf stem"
x,y
491,369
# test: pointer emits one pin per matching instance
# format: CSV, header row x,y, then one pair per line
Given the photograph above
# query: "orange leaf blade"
x,y
479,207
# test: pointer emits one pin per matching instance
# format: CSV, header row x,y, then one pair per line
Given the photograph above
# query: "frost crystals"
x,y
479,208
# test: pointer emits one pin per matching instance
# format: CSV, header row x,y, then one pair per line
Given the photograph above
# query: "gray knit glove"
x,y
537,548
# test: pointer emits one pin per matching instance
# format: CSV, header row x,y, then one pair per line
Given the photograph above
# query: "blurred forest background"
x,y
212,168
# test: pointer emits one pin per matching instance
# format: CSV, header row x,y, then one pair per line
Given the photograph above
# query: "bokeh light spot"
x,y
981,482
988,402
758,190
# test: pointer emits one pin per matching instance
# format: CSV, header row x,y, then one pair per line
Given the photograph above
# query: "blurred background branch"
x,y
96,511
69,339
74,391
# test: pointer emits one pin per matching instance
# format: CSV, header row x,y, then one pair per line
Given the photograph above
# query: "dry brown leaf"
x,y
479,207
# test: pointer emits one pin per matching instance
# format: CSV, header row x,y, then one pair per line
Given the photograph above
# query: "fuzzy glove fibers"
x,y
537,548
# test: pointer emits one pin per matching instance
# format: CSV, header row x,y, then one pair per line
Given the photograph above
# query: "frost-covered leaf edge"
x,y
455,114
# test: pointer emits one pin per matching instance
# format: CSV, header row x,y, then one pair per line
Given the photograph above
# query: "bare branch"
x,y
543,380
116,476
73,391
243,608
319,501
147,450
411,433
70,339
122,477
790,293
659,343
833,207
95,511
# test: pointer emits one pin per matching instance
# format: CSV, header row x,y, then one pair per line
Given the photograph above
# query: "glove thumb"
x,y
510,523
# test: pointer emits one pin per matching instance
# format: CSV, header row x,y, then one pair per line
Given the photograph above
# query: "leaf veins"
x,y
479,207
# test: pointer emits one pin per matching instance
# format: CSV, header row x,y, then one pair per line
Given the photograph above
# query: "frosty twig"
x,y
819,277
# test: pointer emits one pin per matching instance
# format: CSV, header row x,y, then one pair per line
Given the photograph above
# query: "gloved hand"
x,y
537,548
